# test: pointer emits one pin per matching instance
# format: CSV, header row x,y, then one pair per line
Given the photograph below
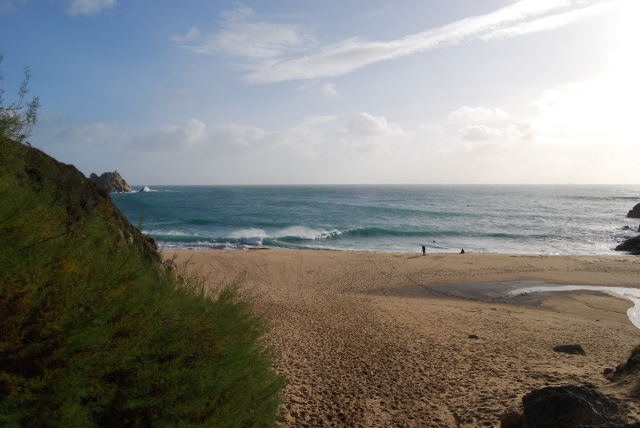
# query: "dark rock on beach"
x,y
570,349
111,182
571,406
634,212
630,367
632,245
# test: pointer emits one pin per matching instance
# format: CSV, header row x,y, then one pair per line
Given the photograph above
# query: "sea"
x,y
531,219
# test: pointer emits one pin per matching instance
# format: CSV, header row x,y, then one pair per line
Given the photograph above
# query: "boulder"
x,y
630,367
631,245
111,182
570,349
512,420
571,406
634,212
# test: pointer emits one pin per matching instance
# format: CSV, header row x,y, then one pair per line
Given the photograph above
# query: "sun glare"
x,y
604,107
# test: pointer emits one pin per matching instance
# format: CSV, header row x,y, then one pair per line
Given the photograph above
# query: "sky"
x,y
333,92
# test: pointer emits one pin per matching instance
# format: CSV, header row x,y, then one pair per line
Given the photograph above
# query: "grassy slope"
x,y
94,332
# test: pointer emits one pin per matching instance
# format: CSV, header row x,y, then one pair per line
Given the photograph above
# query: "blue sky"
x,y
376,91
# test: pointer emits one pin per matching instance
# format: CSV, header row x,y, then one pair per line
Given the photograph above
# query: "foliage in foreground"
x,y
18,117
93,332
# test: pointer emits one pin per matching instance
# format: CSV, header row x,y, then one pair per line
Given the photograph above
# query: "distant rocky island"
x,y
111,182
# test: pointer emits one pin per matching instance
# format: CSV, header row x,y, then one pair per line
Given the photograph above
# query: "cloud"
x,y
9,4
368,124
329,89
486,130
550,22
192,35
171,137
245,37
480,133
521,17
89,7
479,114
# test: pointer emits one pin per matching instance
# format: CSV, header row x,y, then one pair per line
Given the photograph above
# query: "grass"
x,y
95,332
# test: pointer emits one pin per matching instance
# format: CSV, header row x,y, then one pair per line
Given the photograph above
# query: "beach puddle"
x,y
631,294
518,292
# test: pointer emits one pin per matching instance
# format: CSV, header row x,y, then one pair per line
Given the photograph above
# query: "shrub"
x,y
94,332
17,118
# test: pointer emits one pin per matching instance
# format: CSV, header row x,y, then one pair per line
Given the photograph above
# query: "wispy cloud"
x,y
329,89
279,52
89,7
550,22
522,17
242,35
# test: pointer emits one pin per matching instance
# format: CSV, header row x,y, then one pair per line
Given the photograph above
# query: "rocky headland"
x,y
632,245
634,212
111,182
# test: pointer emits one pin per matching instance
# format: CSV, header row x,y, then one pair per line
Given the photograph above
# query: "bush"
x,y
94,332
18,117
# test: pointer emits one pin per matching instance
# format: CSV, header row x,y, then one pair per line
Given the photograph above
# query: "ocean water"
x,y
478,218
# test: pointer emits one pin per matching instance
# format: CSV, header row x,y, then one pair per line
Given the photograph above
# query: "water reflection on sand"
x,y
631,294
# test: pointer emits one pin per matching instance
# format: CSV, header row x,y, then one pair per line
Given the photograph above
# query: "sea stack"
x,y
111,182
634,212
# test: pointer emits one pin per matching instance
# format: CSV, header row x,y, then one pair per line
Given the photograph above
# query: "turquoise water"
x,y
497,219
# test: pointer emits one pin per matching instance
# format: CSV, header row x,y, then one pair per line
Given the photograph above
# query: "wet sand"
x,y
383,339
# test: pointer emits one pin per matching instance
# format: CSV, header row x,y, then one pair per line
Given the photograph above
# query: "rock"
x,y
630,367
634,212
111,182
570,349
512,420
632,245
611,425
570,406
626,227
473,336
608,373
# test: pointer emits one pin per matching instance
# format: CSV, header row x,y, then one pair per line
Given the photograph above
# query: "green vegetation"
x,y
18,117
95,332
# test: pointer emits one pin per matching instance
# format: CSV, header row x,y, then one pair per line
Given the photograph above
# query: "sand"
x,y
383,339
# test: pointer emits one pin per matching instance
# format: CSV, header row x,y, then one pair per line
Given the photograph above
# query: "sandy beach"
x,y
376,339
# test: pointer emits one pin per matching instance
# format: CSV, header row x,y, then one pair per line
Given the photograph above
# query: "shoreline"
x,y
417,253
359,349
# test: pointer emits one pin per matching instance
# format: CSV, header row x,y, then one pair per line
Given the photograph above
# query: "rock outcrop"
x,y
631,245
111,182
634,212
630,367
570,406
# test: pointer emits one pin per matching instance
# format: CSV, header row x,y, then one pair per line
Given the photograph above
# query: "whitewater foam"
x,y
300,232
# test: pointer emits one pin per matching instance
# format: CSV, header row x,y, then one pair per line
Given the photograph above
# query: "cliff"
x,y
95,331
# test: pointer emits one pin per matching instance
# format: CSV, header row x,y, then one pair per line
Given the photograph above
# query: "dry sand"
x,y
363,342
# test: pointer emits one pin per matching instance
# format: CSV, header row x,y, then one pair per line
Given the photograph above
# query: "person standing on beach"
x,y
424,250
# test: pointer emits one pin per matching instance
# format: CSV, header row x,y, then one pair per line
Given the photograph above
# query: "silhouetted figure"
x,y
462,251
424,250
